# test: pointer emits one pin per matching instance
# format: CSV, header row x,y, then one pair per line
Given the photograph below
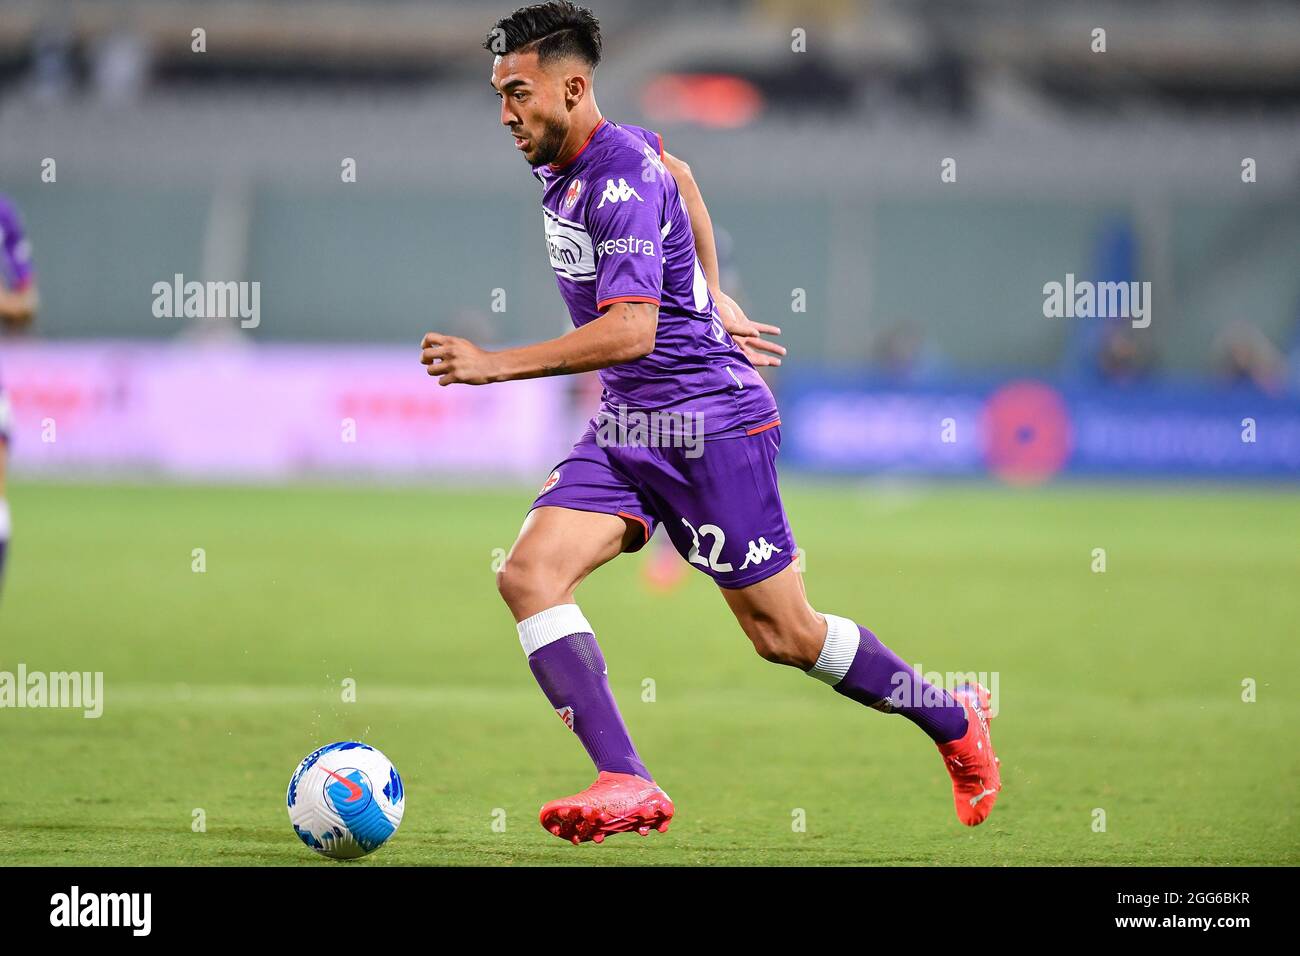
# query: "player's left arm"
x,y
706,249
746,333
622,333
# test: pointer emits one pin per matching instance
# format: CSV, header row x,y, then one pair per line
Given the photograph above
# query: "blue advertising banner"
x,y
1029,430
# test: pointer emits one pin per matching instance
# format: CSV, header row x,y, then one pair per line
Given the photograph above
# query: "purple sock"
x,y
857,665
568,665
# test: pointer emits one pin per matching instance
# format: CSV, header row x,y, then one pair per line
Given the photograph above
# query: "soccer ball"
x,y
345,800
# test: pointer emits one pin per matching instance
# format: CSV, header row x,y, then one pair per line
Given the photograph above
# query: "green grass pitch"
x,y
1119,691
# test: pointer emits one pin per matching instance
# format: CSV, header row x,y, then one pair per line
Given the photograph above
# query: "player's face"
x,y
533,105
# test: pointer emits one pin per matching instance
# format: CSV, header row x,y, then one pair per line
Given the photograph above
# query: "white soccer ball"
x,y
345,800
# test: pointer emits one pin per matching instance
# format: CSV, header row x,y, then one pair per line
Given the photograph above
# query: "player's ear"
x,y
576,87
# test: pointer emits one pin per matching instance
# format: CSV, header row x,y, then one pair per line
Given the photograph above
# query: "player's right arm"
x,y
624,332
747,334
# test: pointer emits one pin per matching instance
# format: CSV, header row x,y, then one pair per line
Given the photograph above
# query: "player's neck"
x,y
579,133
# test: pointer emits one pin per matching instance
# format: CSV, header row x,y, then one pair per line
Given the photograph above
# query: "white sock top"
x,y
842,638
547,627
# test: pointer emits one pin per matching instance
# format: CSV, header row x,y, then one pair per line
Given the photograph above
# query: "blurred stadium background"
x,y
924,302
822,171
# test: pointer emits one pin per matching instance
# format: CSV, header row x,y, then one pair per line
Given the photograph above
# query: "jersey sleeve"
x,y
655,140
15,250
625,216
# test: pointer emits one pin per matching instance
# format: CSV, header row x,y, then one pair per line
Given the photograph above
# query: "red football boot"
x,y
615,803
971,761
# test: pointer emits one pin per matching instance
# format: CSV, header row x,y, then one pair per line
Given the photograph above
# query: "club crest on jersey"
x,y
571,197
620,193
551,481
565,714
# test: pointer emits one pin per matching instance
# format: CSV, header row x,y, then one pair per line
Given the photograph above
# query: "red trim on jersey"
x,y
555,167
645,524
626,298
661,146
763,428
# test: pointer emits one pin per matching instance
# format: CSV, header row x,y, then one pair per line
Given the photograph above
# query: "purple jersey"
x,y
15,250
617,230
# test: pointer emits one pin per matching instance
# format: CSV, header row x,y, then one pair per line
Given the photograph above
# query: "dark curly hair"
x,y
552,30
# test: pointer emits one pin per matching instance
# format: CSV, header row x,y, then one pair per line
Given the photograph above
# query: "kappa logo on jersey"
x,y
759,551
571,197
620,193
565,714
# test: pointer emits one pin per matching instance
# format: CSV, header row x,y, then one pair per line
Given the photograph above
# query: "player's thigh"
x,y
721,505
775,615
555,550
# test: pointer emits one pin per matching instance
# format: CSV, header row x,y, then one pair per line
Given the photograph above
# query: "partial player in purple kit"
x,y
687,435
18,301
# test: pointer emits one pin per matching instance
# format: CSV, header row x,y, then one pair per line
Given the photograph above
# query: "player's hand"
x,y
456,361
748,335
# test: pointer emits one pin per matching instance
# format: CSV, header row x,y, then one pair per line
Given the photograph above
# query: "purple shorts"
x,y
4,416
719,502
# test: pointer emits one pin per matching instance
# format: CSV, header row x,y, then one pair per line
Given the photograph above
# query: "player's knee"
x,y
512,582
527,587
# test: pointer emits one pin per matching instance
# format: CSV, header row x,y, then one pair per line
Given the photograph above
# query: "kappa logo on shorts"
x,y
759,551
550,482
565,714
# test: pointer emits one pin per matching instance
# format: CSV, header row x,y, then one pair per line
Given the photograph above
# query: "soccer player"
x,y
18,300
633,252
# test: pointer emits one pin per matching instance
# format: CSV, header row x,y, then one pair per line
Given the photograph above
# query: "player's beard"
x,y
549,143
